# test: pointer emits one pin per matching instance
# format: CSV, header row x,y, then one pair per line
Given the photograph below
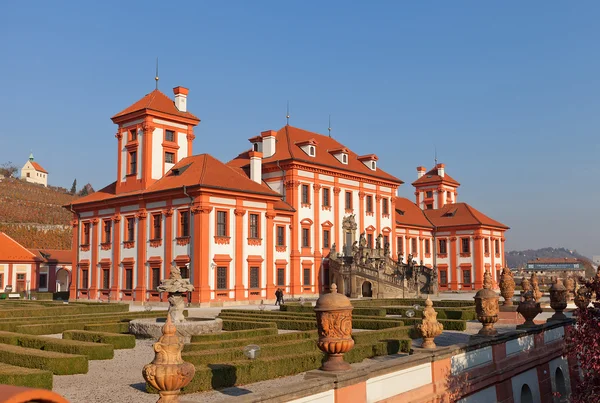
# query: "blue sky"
x,y
508,93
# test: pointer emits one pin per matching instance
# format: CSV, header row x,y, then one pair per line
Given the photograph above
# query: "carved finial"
x,y
169,328
333,288
487,280
428,302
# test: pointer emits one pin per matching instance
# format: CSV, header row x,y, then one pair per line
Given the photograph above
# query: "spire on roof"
x,y
287,115
329,127
31,156
156,76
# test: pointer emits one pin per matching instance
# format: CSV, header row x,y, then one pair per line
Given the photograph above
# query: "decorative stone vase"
x,y
486,306
529,309
582,297
558,299
535,285
430,327
168,373
334,322
176,287
507,286
570,286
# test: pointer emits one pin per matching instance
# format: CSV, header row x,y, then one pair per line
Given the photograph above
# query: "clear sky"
x,y
508,93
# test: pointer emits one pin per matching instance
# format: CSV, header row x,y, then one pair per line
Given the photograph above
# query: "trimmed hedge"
x,y
457,314
28,377
54,311
270,339
93,351
237,334
296,308
241,324
118,341
372,337
410,301
449,324
57,363
122,327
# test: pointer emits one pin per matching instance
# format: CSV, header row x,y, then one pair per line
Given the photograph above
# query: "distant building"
x,y
545,268
33,172
596,260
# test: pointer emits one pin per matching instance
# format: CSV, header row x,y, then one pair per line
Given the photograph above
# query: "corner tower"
x,y
154,134
435,188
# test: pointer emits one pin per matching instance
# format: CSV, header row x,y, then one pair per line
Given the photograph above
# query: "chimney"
x,y
256,166
269,142
441,170
420,172
181,94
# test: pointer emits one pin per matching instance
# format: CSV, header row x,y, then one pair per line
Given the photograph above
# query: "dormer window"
x,y
373,165
311,151
370,161
345,158
341,154
255,147
308,146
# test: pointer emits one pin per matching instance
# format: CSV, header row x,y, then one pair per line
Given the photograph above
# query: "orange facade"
x,y
265,220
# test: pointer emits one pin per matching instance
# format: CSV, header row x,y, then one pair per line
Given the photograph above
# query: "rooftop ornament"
x,y
334,322
486,306
430,327
168,373
176,287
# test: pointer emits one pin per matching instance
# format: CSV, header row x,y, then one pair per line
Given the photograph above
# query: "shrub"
x,y
57,363
72,308
254,340
375,336
28,377
122,327
296,308
93,351
238,334
118,341
242,324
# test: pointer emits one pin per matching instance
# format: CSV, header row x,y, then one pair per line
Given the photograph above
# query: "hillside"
x,y
515,259
33,215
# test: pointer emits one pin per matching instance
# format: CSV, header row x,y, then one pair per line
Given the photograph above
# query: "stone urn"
x,y
558,299
334,322
486,306
429,328
582,297
529,309
168,373
176,287
535,285
507,286
570,286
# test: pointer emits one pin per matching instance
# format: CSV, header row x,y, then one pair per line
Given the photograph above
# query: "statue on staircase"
x,y
363,240
378,241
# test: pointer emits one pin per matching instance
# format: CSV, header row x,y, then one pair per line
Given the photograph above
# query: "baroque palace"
x,y
267,219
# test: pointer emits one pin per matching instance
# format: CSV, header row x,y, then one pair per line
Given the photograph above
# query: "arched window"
x,y
526,395
561,385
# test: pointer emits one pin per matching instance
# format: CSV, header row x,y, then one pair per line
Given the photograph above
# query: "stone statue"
x,y
333,252
537,294
429,328
378,241
386,249
409,261
355,249
400,258
176,286
362,240
507,286
570,285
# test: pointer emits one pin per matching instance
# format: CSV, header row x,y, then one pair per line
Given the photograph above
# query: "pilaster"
x,y
94,265
116,249
142,234
239,213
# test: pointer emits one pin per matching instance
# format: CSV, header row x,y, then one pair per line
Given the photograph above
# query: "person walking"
x,y
279,296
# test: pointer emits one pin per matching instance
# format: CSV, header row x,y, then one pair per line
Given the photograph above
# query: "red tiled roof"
x,y
408,213
432,177
11,250
554,260
201,170
38,167
290,138
156,101
460,214
54,255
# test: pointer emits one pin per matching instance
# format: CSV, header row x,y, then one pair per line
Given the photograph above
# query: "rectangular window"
x,y
1,280
305,198
170,158
280,276
326,238
280,235
466,245
348,200
129,279
370,240
254,277
86,233
133,163
467,276
386,240
326,197
427,246
369,204
184,222
107,231
307,277
305,238
221,278
400,245
443,277
155,277
133,134
429,194
486,245
130,229
105,279
84,279
221,223
43,281
429,206
157,226
384,206
169,135
443,249
413,247
497,246
254,232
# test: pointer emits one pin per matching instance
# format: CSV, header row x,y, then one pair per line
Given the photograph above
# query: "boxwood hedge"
x,y
118,341
93,351
237,334
268,339
28,377
57,363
